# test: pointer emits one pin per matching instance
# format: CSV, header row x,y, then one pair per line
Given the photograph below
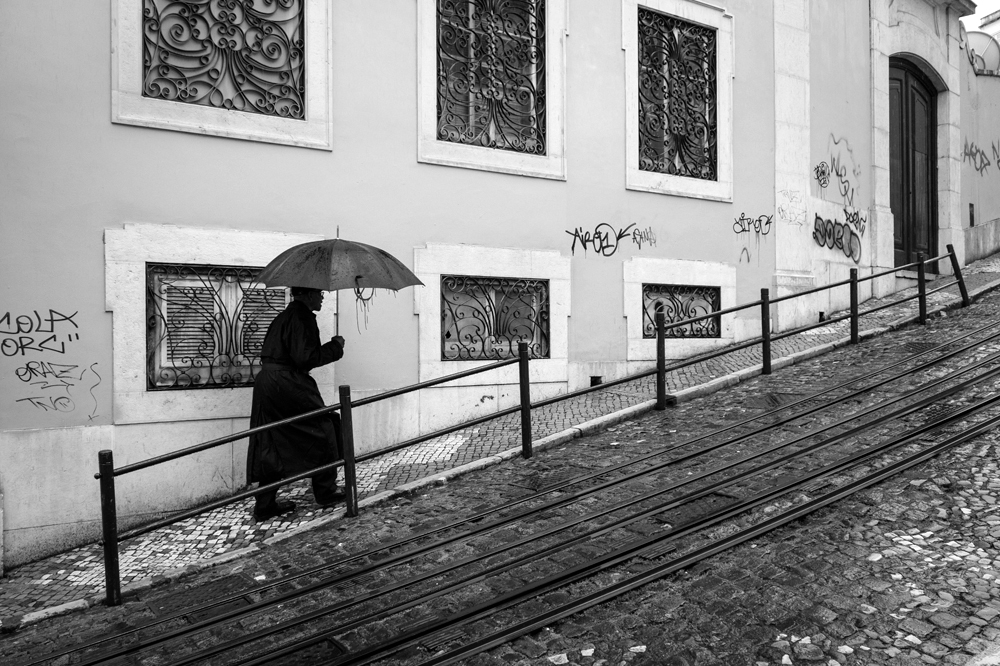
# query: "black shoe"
x,y
333,498
276,510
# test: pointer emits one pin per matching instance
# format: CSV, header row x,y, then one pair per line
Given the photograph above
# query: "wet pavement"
x,y
74,580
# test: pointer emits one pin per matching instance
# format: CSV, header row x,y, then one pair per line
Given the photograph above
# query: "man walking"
x,y
284,388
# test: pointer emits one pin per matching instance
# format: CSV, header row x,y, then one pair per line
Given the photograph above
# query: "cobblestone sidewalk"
x,y
75,579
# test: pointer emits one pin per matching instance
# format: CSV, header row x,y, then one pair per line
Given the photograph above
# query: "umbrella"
x,y
334,264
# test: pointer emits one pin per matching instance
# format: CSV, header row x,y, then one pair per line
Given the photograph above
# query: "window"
x,y
491,74
490,80
206,325
680,302
679,96
239,56
484,318
677,100
239,68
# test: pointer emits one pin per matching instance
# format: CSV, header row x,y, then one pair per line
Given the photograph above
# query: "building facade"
x,y
553,171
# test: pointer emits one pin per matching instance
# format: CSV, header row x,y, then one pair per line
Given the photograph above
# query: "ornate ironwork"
x,y
679,302
491,73
244,55
483,318
677,97
205,325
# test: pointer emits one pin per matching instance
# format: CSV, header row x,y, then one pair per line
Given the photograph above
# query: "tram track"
x,y
613,558
334,578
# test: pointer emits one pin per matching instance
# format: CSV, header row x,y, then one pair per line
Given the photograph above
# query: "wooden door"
x,y
913,162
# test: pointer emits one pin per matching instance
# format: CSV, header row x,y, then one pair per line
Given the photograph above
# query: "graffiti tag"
x,y
978,158
45,377
857,219
833,234
44,336
760,224
605,239
791,208
821,172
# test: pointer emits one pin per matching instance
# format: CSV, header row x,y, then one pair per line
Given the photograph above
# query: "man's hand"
x,y
339,339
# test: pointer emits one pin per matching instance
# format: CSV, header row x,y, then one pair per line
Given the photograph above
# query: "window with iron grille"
x,y
491,74
239,55
679,302
484,318
678,109
205,325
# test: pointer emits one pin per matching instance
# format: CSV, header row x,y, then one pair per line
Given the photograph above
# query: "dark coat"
x,y
283,388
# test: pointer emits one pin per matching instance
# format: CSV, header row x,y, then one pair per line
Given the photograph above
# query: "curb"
x,y
12,623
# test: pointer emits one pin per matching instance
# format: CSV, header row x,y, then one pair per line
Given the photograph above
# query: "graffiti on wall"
x,y
857,219
747,228
821,172
760,225
844,169
980,160
837,235
606,240
51,384
791,207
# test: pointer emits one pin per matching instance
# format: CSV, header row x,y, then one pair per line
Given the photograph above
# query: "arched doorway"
x,y
913,161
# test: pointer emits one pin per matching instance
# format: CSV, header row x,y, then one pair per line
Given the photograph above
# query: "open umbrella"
x,y
334,264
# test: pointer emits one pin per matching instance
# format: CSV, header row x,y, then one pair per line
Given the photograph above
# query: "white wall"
x,y
67,174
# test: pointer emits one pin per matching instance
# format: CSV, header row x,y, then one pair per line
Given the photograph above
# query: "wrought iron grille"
x,y
679,302
205,325
483,318
677,97
491,73
243,55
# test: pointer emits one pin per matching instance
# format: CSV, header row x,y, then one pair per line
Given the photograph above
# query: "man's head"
x,y
311,298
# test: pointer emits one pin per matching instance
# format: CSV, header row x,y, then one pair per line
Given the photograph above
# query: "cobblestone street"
x,y
902,573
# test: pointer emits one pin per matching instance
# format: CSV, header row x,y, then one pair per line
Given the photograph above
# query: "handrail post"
x,y
661,362
109,527
765,331
922,287
350,469
958,274
522,352
855,336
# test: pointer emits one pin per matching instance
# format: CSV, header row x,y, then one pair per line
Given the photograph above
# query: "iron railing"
x,y
107,472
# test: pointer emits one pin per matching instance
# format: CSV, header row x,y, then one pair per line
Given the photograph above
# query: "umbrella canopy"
x,y
334,264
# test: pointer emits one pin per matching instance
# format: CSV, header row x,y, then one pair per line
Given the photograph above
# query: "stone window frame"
x,y
126,252
437,259
701,13
432,151
129,107
648,270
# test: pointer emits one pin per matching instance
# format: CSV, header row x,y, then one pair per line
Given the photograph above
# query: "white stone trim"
x,y
430,150
650,270
438,259
126,252
710,16
129,107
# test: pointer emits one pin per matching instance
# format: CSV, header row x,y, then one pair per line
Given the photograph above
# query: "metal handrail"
x,y
108,472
